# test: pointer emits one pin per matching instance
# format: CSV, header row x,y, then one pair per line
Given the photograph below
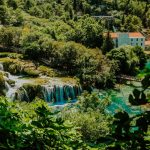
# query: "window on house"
x,y
141,44
131,39
141,39
137,39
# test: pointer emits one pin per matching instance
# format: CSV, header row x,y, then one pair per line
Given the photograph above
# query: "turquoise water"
x,y
147,66
119,97
119,100
145,70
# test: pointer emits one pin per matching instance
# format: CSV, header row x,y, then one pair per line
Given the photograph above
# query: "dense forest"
x,y
64,41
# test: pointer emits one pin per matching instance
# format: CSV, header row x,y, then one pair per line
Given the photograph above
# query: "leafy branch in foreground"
x,y
132,132
34,126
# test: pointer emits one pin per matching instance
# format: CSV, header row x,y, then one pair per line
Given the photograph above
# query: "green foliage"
x,y
140,97
10,55
141,55
31,72
91,101
89,117
108,44
10,37
48,71
132,23
16,66
3,16
88,31
34,126
71,58
12,3
128,58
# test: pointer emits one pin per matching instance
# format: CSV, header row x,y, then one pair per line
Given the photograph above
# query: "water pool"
x,y
119,100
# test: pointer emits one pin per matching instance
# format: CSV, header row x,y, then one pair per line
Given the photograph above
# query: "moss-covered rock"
x,y
48,71
26,67
10,55
11,82
31,72
2,84
28,92
12,65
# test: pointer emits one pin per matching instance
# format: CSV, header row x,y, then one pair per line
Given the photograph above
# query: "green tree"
x,y
140,53
34,126
88,32
10,36
132,23
3,14
128,58
108,43
12,3
89,117
28,4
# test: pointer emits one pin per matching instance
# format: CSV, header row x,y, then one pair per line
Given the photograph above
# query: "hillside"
x,y
66,20
66,83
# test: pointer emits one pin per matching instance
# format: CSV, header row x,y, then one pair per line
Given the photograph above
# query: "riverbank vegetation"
x,y
85,125
49,49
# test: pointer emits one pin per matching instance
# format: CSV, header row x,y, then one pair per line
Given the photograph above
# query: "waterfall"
x,y
48,93
7,86
60,94
22,95
57,98
51,93
1,67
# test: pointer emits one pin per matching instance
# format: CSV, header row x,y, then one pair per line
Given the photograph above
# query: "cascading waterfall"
x,y
60,94
55,93
23,95
1,67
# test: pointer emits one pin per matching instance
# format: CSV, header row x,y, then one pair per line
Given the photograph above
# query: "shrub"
x,y
31,72
129,59
35,126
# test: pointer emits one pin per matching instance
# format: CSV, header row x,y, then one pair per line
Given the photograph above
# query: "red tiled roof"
x,y
112,34
147,43
135,34
131,34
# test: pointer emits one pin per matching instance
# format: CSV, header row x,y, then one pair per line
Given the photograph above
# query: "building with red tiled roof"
x,y
127,38
135,35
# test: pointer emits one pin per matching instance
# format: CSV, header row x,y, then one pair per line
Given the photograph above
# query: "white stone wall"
x,y
124,39
137,41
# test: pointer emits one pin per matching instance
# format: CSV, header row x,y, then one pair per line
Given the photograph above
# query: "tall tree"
x,y
108,43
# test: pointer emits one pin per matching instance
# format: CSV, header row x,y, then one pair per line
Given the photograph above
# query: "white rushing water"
x,y
55,91
18,82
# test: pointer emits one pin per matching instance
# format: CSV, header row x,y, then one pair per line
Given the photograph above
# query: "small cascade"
x,y
56,93
7,86
1,67
48,93
23,95
60,94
